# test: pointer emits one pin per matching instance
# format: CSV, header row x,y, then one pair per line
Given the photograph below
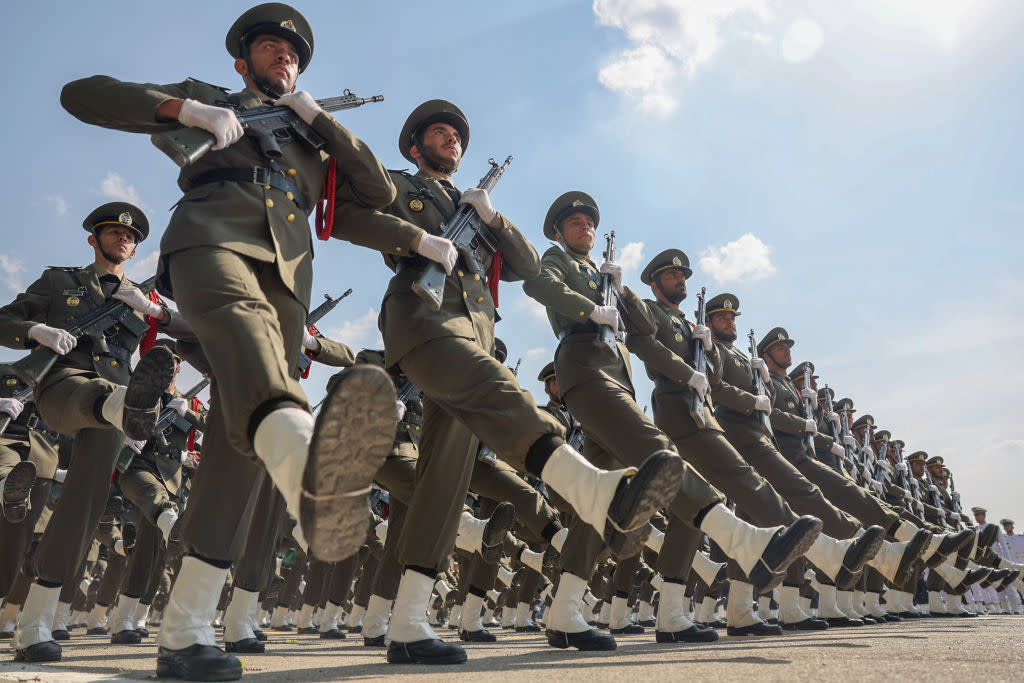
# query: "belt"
x,y
34,422
582,328
120,353
257,175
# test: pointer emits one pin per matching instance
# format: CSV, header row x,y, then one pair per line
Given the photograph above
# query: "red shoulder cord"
x,y
149,338
325,217
305,373
494,276
195,404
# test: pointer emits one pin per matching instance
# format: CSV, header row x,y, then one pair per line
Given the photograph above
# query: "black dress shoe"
x,y
600,626
868,620
894,618
260,635
246,645
759,628
46,651
59,634
909,615
694,634
588,641
863,548
6,635
126,637
973,577
16,491
627,630
197,662
150,379
308,630
374,642
355,629
951,543
481,636
788,546
142,631
648,623
809,624
497,527
716,624
532,628
430,651
332,634
641,495
97,631
915,546
843,622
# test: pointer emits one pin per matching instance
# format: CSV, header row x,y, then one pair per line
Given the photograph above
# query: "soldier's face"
x,y
979,517
1008,528
723,326
115,243
672,283
781,355
440,147
578,231
917,467
552,388
274,61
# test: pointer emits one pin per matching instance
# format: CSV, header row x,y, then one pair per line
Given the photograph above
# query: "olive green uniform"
x,y
447,353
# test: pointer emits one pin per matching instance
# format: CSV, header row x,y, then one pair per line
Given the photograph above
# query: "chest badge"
x,y
738,364
416,205
73,301
11,381
790,404
679,336
591,284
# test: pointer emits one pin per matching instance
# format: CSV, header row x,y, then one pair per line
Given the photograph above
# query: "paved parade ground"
x,y
982,649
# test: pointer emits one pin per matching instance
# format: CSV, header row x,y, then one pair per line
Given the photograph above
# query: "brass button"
x,y
17,339
266,187
289,195
464,295
292,171
476,277
582,314
270,203
95,357
461,273
479,299
291,218
398,249
113,363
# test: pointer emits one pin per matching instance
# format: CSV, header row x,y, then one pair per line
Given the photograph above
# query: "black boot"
x,y
197,662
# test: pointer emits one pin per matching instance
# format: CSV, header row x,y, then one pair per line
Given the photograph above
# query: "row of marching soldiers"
x,y
601,500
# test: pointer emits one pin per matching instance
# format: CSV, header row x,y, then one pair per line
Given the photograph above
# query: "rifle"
x,y
882,468
858,472
933,492
907,485
846,464
700,362
609,297
314,317
94,325
470,236
186,145
759,385
956,501
167,419
23,396
575,436
515,370
808,406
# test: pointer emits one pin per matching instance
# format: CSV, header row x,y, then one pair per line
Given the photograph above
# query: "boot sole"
x,y
915,547
654,485
859,554
796,540
497,527
149,381
17,488
351,439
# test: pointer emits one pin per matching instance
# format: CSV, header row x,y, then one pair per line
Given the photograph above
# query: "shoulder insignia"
x,y
67,269
217,87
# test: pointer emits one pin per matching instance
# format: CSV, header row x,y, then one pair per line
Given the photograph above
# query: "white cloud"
x,y
116,188
802,41
746,259
536,354
360,333
11,271
143,268
60,205
645,73
630,258
528,305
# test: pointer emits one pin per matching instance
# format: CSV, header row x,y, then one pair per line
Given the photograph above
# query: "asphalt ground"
x,y
988,648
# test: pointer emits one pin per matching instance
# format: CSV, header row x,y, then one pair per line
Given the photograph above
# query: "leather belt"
x,y
582,328
257,175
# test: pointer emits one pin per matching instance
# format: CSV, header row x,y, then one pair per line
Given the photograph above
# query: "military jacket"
x,y
788,413
56,298
257,221
734,393
558,411
569,288
167,458
467,307
29,428
668,355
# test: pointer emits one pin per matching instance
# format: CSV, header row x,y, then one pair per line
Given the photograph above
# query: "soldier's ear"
x,y
92,240
415,153
132,255
242,67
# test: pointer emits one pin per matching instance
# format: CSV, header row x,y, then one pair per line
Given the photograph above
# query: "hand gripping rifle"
x,y
267,124
314,317
471,237
700,362
883,470
908,484
23,396
95,325
808,406
759,385
933,492
609,297
843,464
168,419
858,472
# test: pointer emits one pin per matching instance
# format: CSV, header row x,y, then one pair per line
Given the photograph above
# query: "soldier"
x,y
90,392
237,258
448,354
669,357
595,382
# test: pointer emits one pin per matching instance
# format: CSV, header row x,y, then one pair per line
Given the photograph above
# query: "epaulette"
x,y
400,171
218,87
67,269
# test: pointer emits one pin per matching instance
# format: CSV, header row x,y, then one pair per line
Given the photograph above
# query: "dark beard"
x,y
116,260
722,336
435,163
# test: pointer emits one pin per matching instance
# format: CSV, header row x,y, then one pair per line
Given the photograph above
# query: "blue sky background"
x,y
851,173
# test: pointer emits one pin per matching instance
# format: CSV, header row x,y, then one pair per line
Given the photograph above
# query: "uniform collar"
x,y
249,99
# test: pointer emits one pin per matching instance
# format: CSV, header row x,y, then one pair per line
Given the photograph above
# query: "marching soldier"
x,y
237,258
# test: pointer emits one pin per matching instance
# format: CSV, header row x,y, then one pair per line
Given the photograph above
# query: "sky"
x,y
851,171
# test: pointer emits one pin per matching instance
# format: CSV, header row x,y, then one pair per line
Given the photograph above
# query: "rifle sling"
x,y
425,192
257,175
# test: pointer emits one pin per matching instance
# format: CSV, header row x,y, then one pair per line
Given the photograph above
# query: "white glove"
x,y
915,483
178,405
53,338
704,334
810,427
134,445
837,450
59,476
901,466
399,410
478,198
303,104
933,488
309,342
848,440
762,369
919,505
220,121
865,473
762,403
11,407
438,250
884,464
133,296
699,382
877,485
615,270
906,494
956,496
807,392
833,417
381,531
606,315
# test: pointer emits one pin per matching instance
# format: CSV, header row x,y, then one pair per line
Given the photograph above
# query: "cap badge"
x,y
125,218
577,202
727,305
287,23
676,261
781,336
